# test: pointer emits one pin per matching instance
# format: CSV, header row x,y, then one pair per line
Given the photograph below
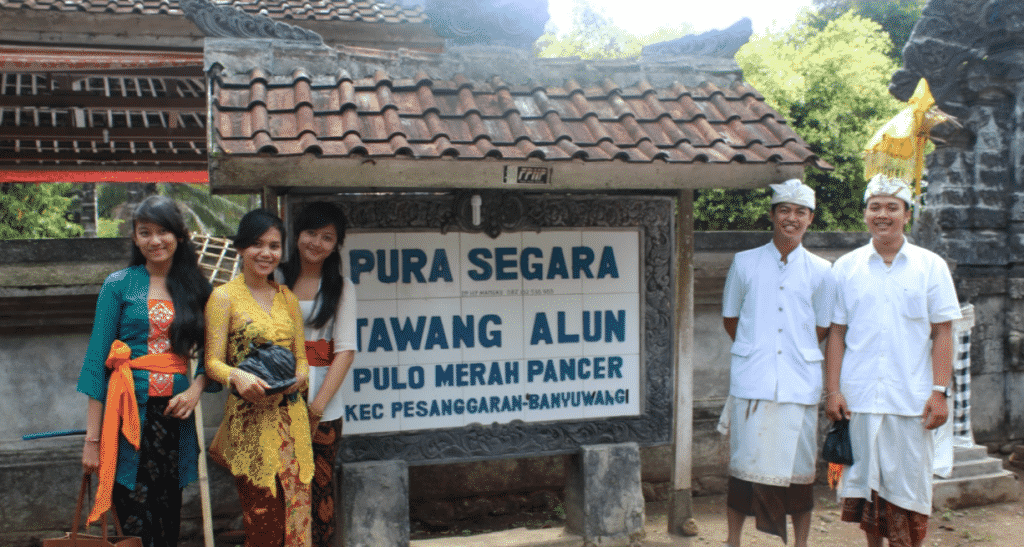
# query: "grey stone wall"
x,y
973,60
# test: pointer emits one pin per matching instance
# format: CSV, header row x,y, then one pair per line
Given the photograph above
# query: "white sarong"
x,y
892,455
771,443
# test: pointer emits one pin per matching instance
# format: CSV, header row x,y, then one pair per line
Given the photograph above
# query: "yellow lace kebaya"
x,y
249,440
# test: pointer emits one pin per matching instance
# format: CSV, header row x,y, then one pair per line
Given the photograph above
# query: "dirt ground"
x,y
991,526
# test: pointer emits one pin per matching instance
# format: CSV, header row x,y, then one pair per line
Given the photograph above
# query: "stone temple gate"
x,y
973,60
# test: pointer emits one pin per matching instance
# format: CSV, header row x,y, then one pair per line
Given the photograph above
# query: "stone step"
x,y
975,452
1001,487
976,468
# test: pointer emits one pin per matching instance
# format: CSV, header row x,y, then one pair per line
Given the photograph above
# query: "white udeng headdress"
x,y
882,185
793,191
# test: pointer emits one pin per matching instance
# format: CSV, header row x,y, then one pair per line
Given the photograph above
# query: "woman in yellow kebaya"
x,y
264,439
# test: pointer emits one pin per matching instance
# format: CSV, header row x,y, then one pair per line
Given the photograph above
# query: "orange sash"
x,y
121,412
320,353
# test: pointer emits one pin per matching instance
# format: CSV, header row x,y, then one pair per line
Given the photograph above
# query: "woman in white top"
x,y
328,302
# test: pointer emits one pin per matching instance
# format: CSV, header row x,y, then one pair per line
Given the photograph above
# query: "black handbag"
x,y
837,447
272,363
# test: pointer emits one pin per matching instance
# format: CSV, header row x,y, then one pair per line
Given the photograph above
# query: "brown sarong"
x,y
769,504
877,517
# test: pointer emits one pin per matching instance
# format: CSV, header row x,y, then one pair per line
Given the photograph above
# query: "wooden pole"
x,y
204,477
680,513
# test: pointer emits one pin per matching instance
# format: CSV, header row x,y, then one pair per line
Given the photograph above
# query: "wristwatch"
x,y
944,390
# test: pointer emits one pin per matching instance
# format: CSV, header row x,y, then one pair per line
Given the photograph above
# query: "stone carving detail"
x,y
713,43
223,21
654,215
515,23
972,54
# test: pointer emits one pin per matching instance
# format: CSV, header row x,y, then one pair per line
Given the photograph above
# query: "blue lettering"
x,y
406,334
360,261
557,266
607,266
413,262
494,378
439,268
511,372
582,258
564,338
417,377
435,335
615,324
382,274
502,263
591,334
540,332
360,376
444,375
531,270
379,338
479,257
476,373
534,368
462,331
615,367
490,339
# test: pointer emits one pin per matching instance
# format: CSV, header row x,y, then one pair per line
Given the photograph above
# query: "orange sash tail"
x,y
320,353
121,412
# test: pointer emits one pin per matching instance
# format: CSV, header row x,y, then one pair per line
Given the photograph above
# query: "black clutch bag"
x,y
274,364
837,447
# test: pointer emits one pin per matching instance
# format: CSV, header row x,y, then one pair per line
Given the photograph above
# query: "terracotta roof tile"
x,y
465,119
322,10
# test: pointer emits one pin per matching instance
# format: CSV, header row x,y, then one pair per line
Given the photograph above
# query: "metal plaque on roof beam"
x,y
223,21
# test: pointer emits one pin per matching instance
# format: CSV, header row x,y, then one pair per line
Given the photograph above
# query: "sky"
x,y
643,16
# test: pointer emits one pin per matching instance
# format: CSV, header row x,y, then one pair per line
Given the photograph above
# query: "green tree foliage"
x,y
594,36
831,85
205,213
36,211
897,17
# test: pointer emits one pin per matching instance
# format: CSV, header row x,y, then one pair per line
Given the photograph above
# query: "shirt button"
x,y
780,352
780,288
780,330
780,308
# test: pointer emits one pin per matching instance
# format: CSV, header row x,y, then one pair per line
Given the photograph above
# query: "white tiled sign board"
x,y
460,328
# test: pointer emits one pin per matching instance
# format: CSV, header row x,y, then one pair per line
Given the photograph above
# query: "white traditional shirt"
x,y
776,356
341,328
889,312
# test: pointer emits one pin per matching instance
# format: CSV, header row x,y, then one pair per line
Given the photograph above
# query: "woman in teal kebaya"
x,y
140,432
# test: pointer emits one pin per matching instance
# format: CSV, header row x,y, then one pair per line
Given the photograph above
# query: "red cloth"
x,y
320,353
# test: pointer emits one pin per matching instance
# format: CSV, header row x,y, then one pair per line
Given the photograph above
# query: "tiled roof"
x,y
419,116
320,10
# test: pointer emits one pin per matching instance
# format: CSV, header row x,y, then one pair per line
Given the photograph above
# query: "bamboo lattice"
x,y
217,258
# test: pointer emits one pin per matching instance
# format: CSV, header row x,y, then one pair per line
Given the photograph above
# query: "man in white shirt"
x,y
890,353
776,307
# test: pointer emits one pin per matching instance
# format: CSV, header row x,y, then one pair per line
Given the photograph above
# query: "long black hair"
x,y
252,226
314,216
188,287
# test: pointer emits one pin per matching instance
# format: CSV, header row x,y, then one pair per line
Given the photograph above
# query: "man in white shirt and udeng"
x,y
777,306
890,353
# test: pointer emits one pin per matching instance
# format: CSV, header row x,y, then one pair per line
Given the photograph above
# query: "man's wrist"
x,y
941,390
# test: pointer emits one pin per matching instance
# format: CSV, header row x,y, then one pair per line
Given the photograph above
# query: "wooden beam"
x,y
100,134
250,174
195,105
128,158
